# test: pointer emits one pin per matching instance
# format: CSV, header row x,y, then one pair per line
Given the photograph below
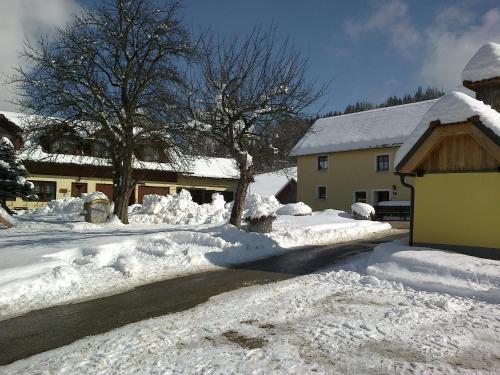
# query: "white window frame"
x,y
317,192
359,191
327,163
377,190
376,162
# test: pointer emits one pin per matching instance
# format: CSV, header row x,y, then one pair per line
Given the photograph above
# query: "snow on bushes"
x,y
295,209
179,209
362,211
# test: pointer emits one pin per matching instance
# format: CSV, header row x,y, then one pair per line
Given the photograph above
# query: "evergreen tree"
x,y
420,95
12,175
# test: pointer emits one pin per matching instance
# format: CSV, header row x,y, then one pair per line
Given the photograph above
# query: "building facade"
x,y
453,158
350,158
338,179
58,173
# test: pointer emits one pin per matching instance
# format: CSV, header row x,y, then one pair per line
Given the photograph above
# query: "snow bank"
x,y
51,260
60,207
437,271
179,209
452,107
364,210
484,64
295,209
257,206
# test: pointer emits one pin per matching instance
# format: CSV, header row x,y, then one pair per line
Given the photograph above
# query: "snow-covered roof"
x,y
199,167
270,184
370,129
450,108
485,64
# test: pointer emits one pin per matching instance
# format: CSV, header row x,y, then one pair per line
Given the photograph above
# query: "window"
x,y
321,192
322,163
360,196
382,163
44,190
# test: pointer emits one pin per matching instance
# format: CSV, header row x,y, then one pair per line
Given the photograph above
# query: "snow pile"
x,y
89,197
295,209
60,207
452,107
368,129
437,271
257,206
363,210
179,209
484,64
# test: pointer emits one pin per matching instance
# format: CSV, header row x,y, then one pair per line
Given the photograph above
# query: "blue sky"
x,y
368,49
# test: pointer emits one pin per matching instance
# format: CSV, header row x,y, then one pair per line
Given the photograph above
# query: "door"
x,y
78,188
146,190
381,196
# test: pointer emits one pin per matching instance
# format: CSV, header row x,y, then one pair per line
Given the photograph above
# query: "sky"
x,y
367,50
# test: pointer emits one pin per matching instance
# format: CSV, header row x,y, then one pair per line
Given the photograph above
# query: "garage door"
x,y
106,189
146,190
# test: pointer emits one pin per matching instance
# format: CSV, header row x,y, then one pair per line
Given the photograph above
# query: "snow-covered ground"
x,y
341,321
48,260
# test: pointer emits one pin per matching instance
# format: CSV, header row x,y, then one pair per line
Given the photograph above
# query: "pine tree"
x,y
12,175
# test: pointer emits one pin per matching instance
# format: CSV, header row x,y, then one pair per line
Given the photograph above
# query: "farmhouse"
x,y
59,169
350,158
453,156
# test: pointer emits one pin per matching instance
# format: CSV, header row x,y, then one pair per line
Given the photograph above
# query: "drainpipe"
x,y
412,206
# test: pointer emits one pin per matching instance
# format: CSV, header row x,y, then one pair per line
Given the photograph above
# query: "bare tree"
x,y
245,86
113,73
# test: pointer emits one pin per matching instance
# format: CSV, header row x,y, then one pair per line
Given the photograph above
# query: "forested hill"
x,y
419,96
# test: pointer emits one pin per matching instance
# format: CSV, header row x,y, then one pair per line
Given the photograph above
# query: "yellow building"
x,y
453,158
57,175
350,158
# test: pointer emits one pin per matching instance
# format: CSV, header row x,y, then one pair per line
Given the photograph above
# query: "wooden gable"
x,y
458,147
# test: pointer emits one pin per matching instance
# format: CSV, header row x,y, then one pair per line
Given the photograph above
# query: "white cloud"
x,y
27,19
449,47
390,17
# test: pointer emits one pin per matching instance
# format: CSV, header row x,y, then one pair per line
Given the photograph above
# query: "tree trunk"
x,y
239,198
3,204
122,188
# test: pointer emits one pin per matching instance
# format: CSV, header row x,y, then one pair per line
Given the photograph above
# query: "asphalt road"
x,y
42,330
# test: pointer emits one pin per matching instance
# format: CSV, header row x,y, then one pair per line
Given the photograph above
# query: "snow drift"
x,y
437,271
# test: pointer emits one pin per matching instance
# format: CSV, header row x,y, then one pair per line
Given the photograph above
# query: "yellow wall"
x,y
347,172
65,183
458,209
